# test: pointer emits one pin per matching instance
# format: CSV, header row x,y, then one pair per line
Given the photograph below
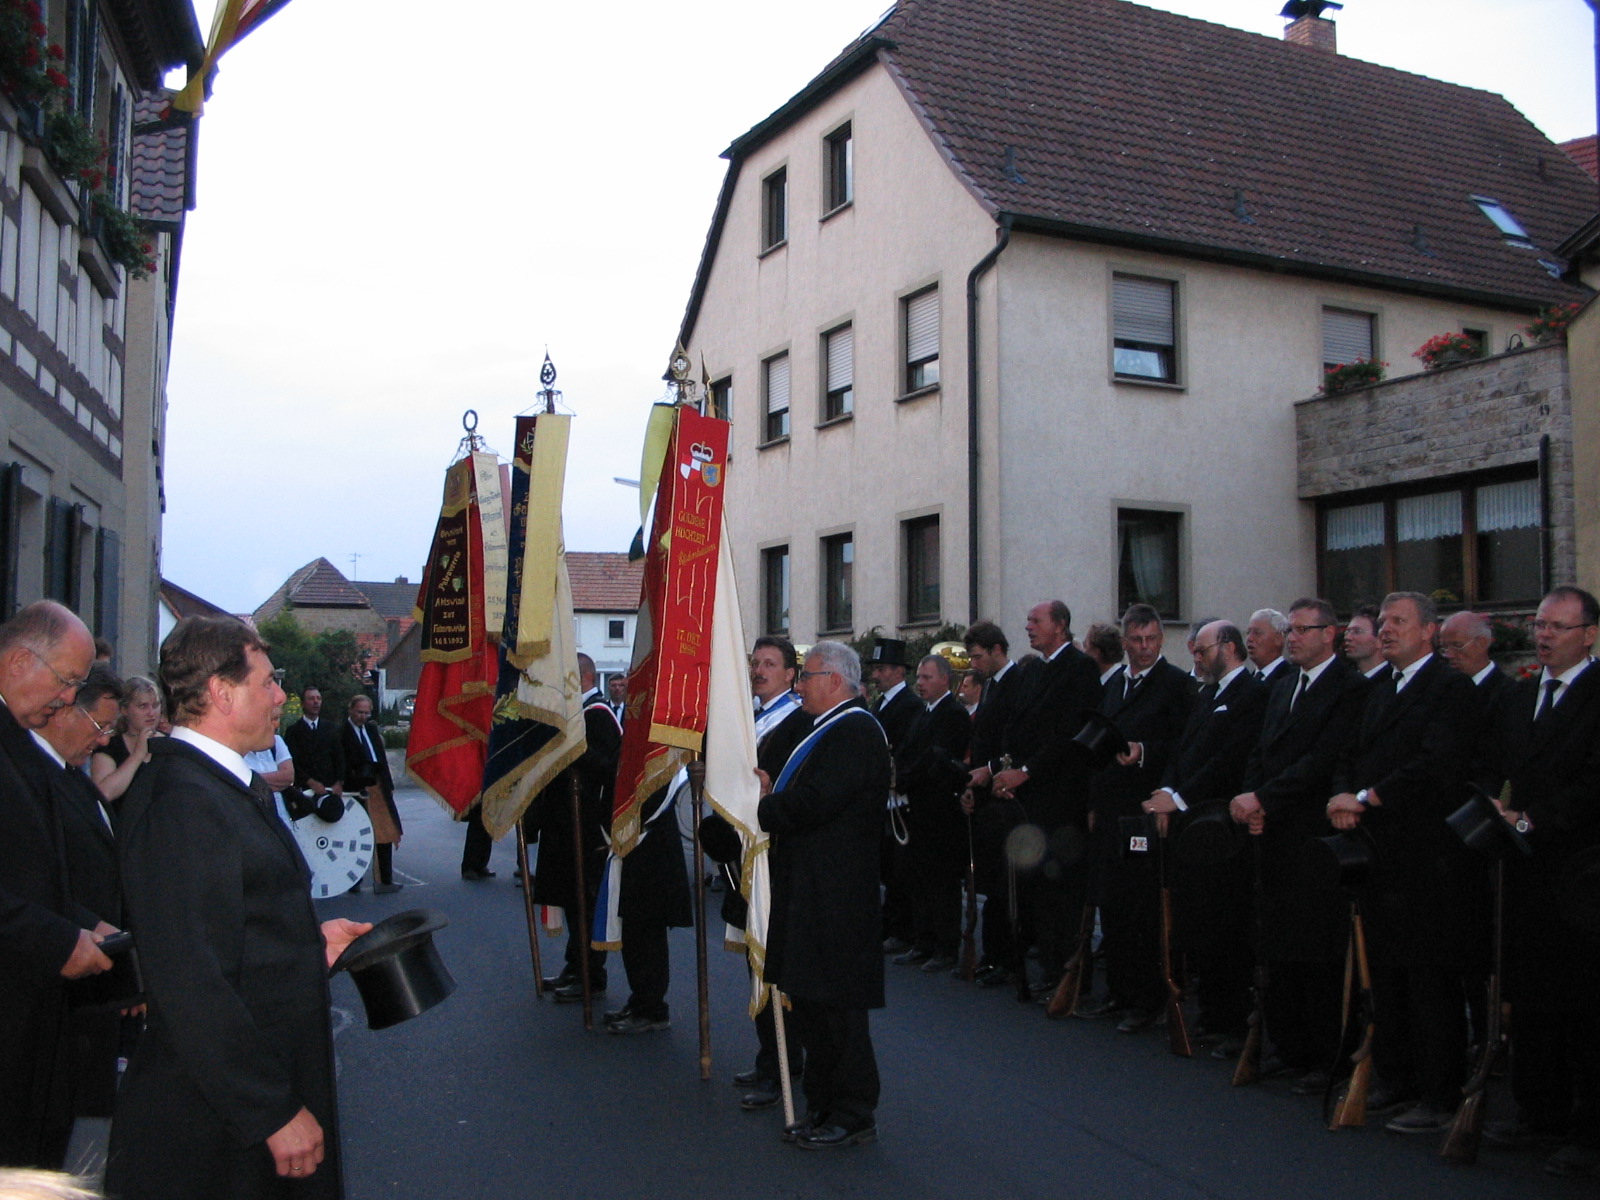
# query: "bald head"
x,y
1464,640
45,652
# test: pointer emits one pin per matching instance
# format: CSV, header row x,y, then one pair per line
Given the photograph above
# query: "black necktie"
x,y
262,793
1300,690
1129,682
1548,700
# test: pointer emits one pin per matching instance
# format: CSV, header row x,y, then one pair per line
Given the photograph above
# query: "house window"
x,y
775,383
839,372
1346,336
838,566
1510,228
1475,543
775,209
63,552
1479,339
921,320
616,630
922,569
839,168
775,591
1147,560
722,398
108,584
1144,344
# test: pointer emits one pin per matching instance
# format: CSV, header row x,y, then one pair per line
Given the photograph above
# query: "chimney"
x,y
1309,27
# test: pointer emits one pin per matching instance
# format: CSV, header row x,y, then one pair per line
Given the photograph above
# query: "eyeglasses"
x,y
1456,647
814,674
66,684
1201,649
1302,630
101,730
1548,627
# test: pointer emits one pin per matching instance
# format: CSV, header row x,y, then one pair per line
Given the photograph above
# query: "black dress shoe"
x,y
895,945
552,982
834,1137
1137,1022
1384,1098
793,1133
993,977
476,874
748,1079
636,1023
912,958
386,889
1089,1010
572,993
765,1095
1313,1083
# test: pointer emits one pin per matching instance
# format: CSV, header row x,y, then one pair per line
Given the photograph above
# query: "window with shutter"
x,y
775,384
1144,328
921,320
107,584
1346,336
839,372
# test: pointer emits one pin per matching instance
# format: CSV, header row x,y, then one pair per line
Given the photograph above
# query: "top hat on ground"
x,y
1099,739
1479,824
887,652
396,967
1342,861
1209,838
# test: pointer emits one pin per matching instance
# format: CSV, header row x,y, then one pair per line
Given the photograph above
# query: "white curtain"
x,y
1504,506
1354,527
1427,518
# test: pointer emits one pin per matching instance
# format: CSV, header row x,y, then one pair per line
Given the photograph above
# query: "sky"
x,y
398,216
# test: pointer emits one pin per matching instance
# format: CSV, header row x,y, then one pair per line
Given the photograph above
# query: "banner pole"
x,y
582,898
697,789
527,907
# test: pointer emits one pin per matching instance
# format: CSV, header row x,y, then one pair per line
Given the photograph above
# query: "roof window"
x,y
1503,220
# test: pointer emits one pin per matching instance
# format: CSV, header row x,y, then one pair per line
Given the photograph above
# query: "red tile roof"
x,y
1106,121
392,601
604,582
318,584
1583,152
161,161
185,603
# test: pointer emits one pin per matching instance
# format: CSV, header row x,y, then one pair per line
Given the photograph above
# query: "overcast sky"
x,y
402,205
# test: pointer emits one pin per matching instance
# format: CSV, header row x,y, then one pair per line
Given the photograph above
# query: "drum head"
x,y
338,852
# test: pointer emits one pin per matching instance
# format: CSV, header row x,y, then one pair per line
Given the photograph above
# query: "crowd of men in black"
x,y
1083,786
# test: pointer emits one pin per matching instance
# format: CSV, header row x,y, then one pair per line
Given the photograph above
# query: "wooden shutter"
x,y
922,326
1346,336
778,384
1142,310
841,359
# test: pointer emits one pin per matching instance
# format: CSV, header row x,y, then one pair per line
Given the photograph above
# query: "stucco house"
x,y
1016,300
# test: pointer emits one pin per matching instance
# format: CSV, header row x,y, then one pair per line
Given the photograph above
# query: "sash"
x,y
771,717
803,751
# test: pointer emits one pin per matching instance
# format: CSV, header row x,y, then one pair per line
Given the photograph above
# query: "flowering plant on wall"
x,y
30,71
1447,348
1551,323
1346,376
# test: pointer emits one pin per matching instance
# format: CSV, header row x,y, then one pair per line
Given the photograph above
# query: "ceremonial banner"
x,y
670,676
538,714
234,19
455,695
731,785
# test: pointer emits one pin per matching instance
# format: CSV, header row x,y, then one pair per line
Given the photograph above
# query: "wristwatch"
x,y
1523,825
1362,798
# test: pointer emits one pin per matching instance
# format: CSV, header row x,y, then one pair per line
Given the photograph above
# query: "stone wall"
x,y
1472,417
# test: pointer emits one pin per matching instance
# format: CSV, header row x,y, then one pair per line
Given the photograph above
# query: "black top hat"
x,y
328,807
1209,838
1099,739
1479,824
887,652
1342,861
396,968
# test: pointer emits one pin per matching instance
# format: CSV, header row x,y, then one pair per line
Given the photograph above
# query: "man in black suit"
x,y
1464,641
1148,702
548,821
315,746
1040,770
366,772
1548,756
1312,715
1264,639
931,772
46,938
825,815
989,653
1425,906
896,707
1211,899
231,1090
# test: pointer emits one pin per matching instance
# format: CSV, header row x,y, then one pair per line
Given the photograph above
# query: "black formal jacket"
x,y
1553,767
361,771
548,819
994,711
39,926
1426,897
238,1035
318,753
1291,771
1049,709
925,772
1207,768
896,716
1155,714
824,943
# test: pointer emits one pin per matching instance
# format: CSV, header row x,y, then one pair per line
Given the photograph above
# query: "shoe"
x,y
940,962
1518,1135
1421,1118
1227,1049
993,977
748,1079
894,945
793,1133
552,982
765,1095
634,1023
1090,1010
617,1014
476,874
386,889
1312,1083
572,993
1573,1161
1136,1022
834,1137
912,958
1383,1099
354,890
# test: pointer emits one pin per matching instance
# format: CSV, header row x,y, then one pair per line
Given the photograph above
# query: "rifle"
x,y
1065,998
1177,1029
1249,1068
969,933
1350,1100
1466,1131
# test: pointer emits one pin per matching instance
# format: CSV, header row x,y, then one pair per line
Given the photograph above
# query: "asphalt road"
x,y
498,1095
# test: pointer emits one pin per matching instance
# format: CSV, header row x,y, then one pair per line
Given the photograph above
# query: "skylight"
x,y
1503,220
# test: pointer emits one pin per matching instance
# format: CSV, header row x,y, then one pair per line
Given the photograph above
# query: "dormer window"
x,y
1508,225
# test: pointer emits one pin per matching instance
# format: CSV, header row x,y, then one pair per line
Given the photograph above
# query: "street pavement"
x,y
497,1095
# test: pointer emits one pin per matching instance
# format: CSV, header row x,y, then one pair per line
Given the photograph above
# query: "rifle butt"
x,y
1350,1108
1177,1027
1248,1068
1466,1131
1065,998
